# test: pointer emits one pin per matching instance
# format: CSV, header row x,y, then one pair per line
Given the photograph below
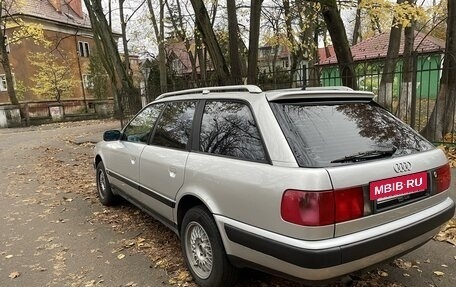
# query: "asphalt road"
x,y
47,237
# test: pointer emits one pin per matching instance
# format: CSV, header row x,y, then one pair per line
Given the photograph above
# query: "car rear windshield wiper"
x,y
367,155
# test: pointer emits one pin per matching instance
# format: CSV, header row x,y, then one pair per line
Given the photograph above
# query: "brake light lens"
x,y
318,208
349,204
443,178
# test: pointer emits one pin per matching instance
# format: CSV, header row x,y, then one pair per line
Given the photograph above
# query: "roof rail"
x,y
238,88
328,88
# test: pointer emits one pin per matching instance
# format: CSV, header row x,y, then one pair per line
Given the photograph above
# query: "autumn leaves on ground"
x,y
73,177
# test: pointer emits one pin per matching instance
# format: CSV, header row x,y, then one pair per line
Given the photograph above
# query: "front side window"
x,y
139,129
175,125
229,129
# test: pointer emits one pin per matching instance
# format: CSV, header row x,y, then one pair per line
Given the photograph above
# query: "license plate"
x,y
397,186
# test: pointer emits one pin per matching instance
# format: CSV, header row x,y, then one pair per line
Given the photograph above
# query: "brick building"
x,y
66,26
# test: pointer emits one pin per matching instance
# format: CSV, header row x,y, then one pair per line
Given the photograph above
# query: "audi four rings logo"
x,y
402,167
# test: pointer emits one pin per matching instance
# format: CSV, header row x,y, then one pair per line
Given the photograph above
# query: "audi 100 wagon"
x,y
308,184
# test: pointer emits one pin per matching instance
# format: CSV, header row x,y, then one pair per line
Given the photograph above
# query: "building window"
x,y
3,84
83,49
177,66
87,81
6,41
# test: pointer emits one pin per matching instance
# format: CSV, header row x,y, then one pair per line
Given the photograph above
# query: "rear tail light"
x,y
443,178
317,208
308,208
349,204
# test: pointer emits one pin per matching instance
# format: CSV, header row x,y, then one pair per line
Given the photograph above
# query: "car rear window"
x,y
321,134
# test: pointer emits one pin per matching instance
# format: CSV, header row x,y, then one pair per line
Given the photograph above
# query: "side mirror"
x,y
112,135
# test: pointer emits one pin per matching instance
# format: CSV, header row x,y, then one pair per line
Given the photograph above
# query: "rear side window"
x,y
174,126
324,134
229,129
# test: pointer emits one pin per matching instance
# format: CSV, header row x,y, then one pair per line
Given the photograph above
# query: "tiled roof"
x,y
325,52
265,53
377,47
180,52
45,10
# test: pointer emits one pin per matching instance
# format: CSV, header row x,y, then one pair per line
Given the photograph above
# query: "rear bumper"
x,y
337,257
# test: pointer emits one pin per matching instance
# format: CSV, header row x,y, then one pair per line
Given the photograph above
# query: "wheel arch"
x,y
97,160
187,202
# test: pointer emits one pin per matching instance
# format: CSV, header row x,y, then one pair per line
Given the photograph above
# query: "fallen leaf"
x,y
9,256
120,256
406,275
67,199
447,233
444,265
14,275
382,273
403,264
117,250
184,276
439,273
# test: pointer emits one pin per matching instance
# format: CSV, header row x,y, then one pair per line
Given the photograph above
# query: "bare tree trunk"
x,y
107,49
274,66
123,27
405,97
296,50
159,35
4,59
309,39
254,36
236,64
179,28
312,71
205,27
201,59
385,90
7,69
341,45
357,27
441,121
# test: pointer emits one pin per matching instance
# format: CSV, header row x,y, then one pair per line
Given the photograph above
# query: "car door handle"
x,y
172,172
133,160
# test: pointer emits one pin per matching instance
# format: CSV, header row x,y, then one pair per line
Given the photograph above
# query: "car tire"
x,y
203,250
105,194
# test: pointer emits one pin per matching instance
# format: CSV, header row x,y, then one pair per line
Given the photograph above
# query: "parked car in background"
x,y
308,184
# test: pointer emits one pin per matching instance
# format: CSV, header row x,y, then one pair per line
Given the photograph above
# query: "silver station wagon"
x,y
307,184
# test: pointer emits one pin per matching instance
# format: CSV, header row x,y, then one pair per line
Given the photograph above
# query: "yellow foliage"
x,y
54,78
25,30
273,40
403,13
